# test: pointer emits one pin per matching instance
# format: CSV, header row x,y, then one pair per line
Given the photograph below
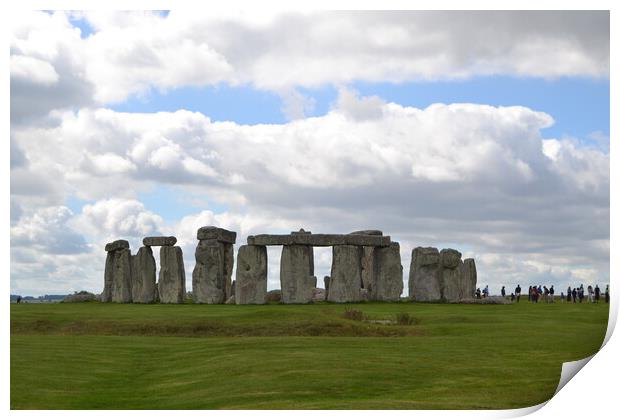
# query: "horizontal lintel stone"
x,y
213,232
320,239
116,245
159,241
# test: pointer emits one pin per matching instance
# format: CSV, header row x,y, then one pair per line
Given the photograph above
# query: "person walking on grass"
x,y
574,295
607,294
518,292
597,294
552,294
569,294
590,294
546,294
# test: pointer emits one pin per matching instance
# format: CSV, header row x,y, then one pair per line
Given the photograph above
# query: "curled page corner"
x,y
570,369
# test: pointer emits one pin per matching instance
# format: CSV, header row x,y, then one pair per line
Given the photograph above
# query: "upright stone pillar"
x,y
451,276
346,274
211,278
144,286
469,278
121,286
171,275
369,271
251,277
297,280
117,275
389,274
425,275
108,278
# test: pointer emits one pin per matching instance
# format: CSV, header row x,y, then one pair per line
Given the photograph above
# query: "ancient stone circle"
x,y
366,266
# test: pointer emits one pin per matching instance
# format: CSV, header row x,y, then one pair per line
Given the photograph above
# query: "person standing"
x,y
574,295
607,294
597,294
529,294
552,294
569,294
518,292
503,292
562,297
590,294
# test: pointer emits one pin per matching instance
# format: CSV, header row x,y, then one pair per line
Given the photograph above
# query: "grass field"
x,y
114,356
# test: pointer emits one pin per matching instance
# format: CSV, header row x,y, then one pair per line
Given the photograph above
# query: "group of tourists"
x,y
547,294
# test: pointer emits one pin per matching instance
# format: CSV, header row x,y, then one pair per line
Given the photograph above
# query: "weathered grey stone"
x,y
346,274
171,275
159,241
208,284
229,262
469,278
143,272
233,286
219,234
326,280
121,277
450,258
301,232
453,289
369,274
297,273
319,294
117,245
389,278
251,276
367,232
319,239
230,300
425,275
108,278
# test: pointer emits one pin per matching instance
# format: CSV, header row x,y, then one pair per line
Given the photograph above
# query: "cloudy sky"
x,y
487,132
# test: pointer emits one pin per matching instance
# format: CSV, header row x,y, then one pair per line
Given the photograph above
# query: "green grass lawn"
x,y
114,356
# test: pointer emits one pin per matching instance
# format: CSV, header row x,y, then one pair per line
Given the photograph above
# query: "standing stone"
x,y
346,274
121,281
469,278
208,284
143,285
171,275
251,276
326,280
108,278
425,275
297,273
452,290
389,277
369,274
229,262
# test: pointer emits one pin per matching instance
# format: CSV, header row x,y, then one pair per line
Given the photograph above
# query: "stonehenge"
x,y
366,266
131,278
441,276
